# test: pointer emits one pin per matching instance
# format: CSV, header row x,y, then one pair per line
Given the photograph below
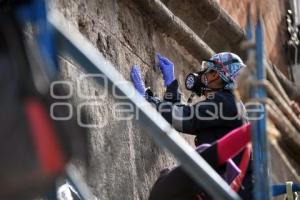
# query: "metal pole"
x,y
282,104
75,179
259,137
74,45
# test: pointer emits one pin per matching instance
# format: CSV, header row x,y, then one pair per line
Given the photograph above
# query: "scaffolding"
x,y
73,44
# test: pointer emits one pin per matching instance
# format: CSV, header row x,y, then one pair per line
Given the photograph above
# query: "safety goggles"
x,y
207,65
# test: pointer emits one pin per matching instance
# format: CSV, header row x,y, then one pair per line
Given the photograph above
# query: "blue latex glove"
x,y
137,80
167,69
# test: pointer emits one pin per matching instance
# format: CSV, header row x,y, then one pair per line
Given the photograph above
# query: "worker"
x,y
210,119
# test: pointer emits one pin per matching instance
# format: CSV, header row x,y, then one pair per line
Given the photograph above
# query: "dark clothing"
x,y
174,184
208,120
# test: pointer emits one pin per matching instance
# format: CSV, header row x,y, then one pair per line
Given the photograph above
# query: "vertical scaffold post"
x,y
259,136
249,27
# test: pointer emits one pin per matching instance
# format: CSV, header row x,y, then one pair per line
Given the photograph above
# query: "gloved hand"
x,y
167,69
137,80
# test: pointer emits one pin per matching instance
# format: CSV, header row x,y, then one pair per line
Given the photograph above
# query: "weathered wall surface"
x,y
205,24
274,18
124,162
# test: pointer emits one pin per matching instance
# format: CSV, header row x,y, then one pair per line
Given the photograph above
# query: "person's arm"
x,y
184,118
166,66
190,119
172,93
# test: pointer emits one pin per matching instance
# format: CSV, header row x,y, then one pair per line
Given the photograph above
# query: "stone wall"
x,y
124,162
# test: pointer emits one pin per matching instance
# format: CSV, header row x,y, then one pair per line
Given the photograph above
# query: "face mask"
x,y
193,82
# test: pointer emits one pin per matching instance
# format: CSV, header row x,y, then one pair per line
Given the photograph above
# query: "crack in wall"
x,y
123,43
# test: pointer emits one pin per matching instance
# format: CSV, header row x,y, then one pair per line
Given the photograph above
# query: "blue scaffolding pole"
x,y
258,121
280,189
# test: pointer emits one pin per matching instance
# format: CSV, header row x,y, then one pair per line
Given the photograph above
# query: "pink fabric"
x,y
233,143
